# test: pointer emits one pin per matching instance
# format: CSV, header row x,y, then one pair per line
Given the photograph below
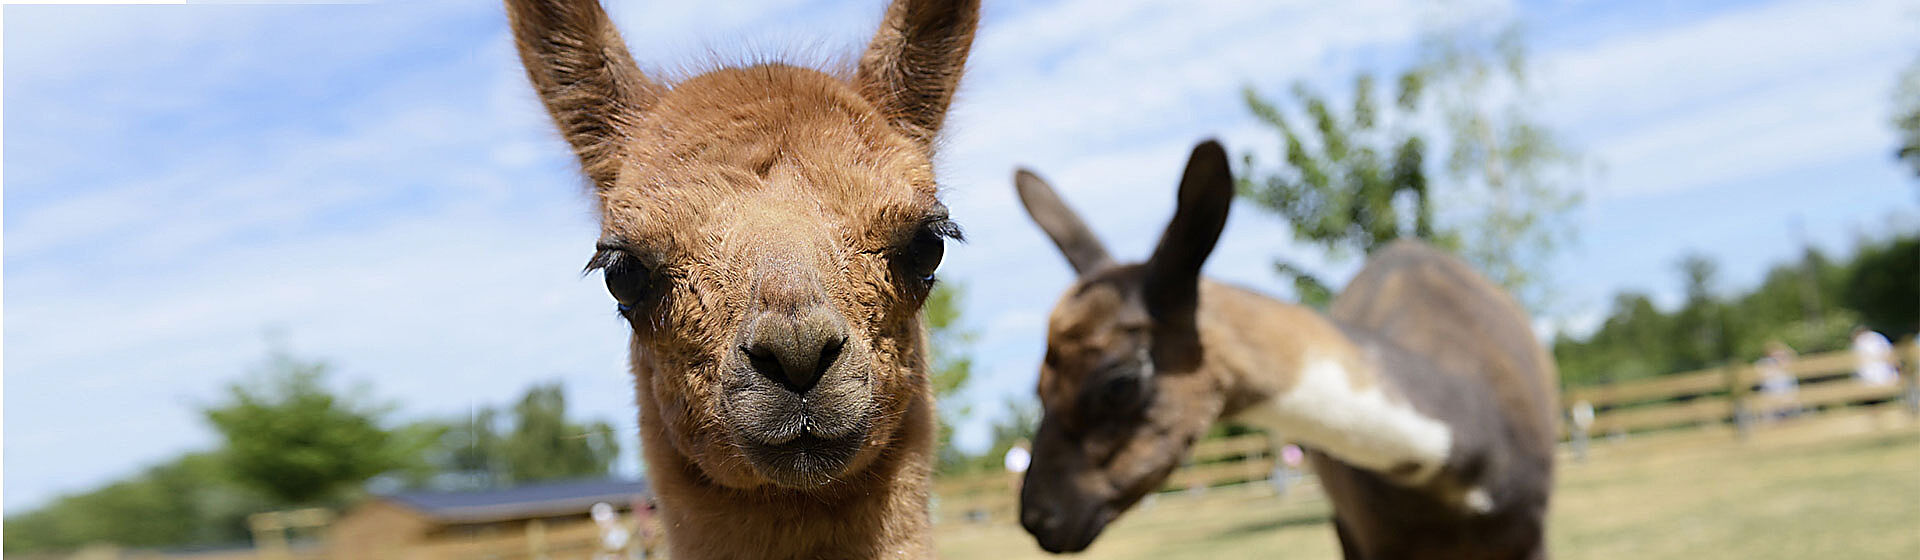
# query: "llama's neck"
x,y
880,512
1291,371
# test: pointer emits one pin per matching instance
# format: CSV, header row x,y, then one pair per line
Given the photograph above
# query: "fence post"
x,y
269,534
1260,463
537,539
1737,394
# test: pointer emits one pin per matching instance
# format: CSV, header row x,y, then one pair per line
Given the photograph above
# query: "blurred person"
x,y
1288,469
1016,461
1873,358
1581,414
613,536
1779,390
644,536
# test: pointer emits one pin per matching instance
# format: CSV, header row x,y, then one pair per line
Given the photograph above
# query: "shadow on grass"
x,y
1285,521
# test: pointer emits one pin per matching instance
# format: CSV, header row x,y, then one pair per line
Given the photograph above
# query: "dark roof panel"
x,y
533,500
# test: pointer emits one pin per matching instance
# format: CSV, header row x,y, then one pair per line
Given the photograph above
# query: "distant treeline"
x,y
289,440
1810,305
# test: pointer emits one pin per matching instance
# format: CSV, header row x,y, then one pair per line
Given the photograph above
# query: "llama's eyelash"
x,y
609,252
945,228
603,257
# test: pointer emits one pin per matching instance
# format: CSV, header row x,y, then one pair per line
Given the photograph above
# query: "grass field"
x,y
1843,487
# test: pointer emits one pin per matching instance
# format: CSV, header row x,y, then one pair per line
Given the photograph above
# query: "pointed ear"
x,y
913,64
1206,192
581,69
1078,243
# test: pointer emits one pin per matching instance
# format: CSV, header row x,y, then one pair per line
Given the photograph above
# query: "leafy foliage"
x,y
1884,287
187,501
1353,181
538,442
1809,305
544,444
952,369
951,365
292,439
1017,424
291,442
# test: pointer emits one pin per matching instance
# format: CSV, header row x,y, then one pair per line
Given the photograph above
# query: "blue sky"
x,y
378,183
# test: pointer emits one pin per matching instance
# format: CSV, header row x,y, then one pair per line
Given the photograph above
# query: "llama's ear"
x,y
1078,243
913,64
1173,273
584,75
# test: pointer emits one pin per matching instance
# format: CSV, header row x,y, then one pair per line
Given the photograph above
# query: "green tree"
x,y
1017,424
535,440
297,442
1633,342
545,445
467,454
1797,304
1351,181
1906,116
1699,327
1809,305
952,365
187,501
1883,286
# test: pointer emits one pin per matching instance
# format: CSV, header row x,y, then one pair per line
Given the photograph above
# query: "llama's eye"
x,y
627,280
923,254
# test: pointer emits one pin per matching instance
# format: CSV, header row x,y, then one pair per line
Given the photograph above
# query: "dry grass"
x,y
1827,488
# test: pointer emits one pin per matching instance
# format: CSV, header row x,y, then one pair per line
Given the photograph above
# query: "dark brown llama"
x,y
1426,402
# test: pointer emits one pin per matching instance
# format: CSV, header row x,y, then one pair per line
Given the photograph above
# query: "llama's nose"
x,y
1038,519
796,349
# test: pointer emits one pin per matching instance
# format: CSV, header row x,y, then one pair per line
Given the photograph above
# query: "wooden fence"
x,y
1212,463
539,541
1730,395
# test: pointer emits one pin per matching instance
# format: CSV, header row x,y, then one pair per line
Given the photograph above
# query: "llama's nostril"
x,y
763,360
829,354
1037,520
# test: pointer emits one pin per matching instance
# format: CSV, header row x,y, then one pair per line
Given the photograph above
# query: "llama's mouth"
x,y
805,461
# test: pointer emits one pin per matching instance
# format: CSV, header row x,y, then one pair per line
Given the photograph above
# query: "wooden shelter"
x,y
388,526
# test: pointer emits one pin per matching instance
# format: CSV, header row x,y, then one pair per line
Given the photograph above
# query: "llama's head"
x,y
768,232
1121,383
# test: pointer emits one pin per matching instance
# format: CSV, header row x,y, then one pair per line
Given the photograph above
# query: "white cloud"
x,y
1737,94
1829,115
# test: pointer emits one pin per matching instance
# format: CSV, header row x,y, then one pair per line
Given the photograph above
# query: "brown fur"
x,y
1416,324
767,227
1437,308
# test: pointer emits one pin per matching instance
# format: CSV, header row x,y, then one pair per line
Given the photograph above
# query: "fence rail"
x,y
1731,394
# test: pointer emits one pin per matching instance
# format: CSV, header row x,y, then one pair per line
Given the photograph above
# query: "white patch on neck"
x,y
1359,427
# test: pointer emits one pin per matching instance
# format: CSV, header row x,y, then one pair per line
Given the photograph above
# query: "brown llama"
x,y
1424,397
769,233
